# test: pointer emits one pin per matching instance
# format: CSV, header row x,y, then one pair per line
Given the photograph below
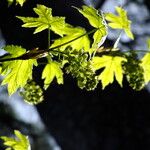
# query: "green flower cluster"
x,y
32,93
134,72
80,68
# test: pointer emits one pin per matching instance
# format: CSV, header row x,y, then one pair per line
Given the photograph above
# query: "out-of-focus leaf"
x,y
21,142
20,2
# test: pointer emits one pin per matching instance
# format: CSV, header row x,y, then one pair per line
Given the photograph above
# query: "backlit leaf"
x,y
72,33
14,50
20,2
97,21
112,68
16,72
145,63
51,71
120,21
44,21
20,72
98,38
92,15
21,142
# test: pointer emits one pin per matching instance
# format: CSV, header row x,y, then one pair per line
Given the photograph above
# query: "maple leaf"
x,y
70,33
14,50
97,21
145,63
112,68
21,142
16,72
20,2
120,21
51,71
20,72
44,21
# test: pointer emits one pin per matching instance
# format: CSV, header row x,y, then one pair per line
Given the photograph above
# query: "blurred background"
x,y
69,118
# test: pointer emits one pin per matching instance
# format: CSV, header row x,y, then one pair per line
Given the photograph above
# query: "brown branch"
x,y
36,54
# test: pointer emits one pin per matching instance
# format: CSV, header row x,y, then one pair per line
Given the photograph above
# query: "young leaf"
x,y
97,21
120,22
98,38
16,72
21,142
20,72
20,2
92,15
145,63
72,33
44,21
51,71
14,50
112,67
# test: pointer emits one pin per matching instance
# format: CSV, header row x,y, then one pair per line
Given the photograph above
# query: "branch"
x,y
36,54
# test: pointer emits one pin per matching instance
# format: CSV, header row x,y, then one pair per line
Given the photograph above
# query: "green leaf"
x,y
19,72
14,50
120,21
20,2
92,15
97,21
44,21
98,38
51,71
72,33
16,72
145,63
112,68
21,142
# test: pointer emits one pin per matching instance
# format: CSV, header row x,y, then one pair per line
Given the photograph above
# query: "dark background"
x,y
112,119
